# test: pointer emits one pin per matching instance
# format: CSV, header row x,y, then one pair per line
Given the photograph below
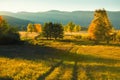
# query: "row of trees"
x,y
100,28
72,27
53,30
34,28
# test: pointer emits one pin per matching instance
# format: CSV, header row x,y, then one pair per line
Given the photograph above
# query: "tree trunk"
x,y
108,41
96,42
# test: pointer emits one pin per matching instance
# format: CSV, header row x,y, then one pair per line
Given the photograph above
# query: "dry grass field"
x,y
28,35
59,60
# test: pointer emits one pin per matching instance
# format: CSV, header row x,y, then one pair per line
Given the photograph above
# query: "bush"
x,y
10,39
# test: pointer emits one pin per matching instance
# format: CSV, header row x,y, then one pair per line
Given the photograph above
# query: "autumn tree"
x,y
72,27
30,27
69,27
77,28
38,28
8,34
100,28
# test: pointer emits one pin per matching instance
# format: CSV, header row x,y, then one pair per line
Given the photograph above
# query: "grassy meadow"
x,y
60,60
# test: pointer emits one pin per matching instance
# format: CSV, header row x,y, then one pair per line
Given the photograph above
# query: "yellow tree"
x,y
100,28
77,28
30,27
38,28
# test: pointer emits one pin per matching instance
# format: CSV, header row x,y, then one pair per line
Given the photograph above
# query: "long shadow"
x,y
91,43
30,52
75,69
6,78
92,70
50,71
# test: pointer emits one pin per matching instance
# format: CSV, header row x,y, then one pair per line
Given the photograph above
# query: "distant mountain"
x,y
16,21
79,17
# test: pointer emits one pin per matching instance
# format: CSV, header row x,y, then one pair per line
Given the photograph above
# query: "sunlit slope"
x,y
60,61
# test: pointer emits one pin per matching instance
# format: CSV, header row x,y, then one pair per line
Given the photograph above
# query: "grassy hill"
x,y
60,60
79,17
16,21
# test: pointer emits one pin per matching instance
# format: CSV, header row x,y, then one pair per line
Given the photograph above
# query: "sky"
x,y
62,5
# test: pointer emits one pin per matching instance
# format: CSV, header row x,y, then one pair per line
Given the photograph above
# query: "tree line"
x,y
54,30
100,29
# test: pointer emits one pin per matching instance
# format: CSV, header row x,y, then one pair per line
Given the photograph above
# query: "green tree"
x,y
47,30
51,30
57,31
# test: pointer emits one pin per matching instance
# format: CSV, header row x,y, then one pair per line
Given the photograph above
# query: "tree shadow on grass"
x,y
99,72
6,78
31,52
74,74
90,43
50,71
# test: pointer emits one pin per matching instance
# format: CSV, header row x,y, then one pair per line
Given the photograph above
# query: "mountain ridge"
x,y
16,22
82,18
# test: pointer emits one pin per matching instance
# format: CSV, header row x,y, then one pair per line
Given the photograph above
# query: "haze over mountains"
x,y
16,21
79,17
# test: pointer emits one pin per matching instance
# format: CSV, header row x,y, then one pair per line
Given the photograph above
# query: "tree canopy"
x,y
34,28
72,27
100,28
53,30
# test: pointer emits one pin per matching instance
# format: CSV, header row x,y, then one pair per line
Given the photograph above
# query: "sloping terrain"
x,y
20,23
59,61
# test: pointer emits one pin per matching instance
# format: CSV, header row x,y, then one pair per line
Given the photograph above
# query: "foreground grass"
x,y
56,60
22,69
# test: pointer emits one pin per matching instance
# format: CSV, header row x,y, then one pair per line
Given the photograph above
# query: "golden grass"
x,y
80,62
23,69
28,35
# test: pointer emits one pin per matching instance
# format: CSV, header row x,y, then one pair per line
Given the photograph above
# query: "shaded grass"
x,y
92,65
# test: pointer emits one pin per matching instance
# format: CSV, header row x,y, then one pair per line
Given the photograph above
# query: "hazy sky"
x,y
63,5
